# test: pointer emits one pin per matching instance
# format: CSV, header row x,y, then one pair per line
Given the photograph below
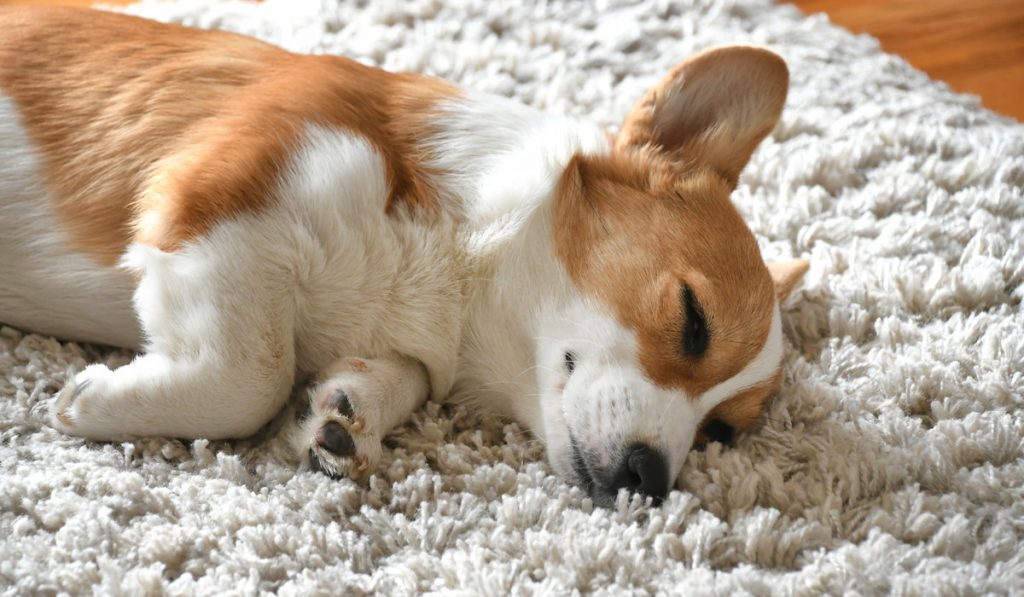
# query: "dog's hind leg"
x,y
219,359
358,402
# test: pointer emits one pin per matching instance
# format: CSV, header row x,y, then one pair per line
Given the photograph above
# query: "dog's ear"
x,y
712,109
786,275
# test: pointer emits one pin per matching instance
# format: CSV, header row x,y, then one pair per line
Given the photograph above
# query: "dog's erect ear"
x,y
786,275
712,109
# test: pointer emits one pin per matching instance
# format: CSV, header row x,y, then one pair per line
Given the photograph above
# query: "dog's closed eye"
x,y
695,328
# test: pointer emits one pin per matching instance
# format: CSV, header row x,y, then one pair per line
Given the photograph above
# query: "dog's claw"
x,y
314,462
81,387
317,466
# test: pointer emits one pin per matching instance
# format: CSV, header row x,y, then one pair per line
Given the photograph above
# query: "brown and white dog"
x,y
245,216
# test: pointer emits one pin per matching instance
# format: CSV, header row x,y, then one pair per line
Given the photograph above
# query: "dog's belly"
x,y
45,285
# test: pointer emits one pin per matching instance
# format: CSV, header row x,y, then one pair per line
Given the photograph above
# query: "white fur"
x,y
508,158
325,274
608,403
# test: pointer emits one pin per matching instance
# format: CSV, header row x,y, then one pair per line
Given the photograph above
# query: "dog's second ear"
x,y
712,109
786,275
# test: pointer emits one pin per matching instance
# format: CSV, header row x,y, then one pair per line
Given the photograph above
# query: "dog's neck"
x,y
503,161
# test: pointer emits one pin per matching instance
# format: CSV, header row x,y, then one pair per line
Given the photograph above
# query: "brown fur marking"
x,y
154,133
634,226
630,233
743,411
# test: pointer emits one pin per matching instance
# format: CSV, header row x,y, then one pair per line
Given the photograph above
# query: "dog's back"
x,y
51,286
92,105
120,130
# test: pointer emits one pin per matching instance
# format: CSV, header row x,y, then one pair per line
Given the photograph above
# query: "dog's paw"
x,y
81,407
340,432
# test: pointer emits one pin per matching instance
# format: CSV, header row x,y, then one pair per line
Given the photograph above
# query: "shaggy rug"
x,y
891,461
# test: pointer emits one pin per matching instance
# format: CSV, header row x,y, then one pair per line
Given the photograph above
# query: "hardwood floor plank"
x,y
977,47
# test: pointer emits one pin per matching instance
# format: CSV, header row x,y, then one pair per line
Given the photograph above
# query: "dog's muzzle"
x,y
639,469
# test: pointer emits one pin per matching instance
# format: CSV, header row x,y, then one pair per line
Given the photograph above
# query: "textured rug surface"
x,y
892,460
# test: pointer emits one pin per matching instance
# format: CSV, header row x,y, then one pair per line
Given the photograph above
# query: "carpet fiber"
x,y
892,460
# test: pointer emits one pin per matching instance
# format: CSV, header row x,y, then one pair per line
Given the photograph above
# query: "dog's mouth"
x,y
587,480
642,471
579,466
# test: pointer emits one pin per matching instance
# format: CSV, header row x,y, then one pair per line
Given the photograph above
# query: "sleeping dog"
x,y
245,217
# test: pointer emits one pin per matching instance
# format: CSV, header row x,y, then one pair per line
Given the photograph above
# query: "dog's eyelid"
x,y
696,334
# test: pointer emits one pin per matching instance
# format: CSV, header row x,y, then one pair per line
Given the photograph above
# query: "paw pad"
x,y
339,441
334,438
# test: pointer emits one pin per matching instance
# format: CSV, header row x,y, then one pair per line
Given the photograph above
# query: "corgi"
x,y
245,218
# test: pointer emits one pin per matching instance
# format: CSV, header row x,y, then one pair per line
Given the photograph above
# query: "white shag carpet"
x,y
892,461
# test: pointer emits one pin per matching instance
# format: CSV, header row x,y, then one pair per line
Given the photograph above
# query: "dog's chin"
x,y
568,463
562,459
579,469
581,477
585,480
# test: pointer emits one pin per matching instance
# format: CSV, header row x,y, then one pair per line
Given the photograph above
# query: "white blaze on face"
x,y
607,402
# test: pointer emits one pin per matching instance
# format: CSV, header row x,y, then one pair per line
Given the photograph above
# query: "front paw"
x,y
80,407
339,440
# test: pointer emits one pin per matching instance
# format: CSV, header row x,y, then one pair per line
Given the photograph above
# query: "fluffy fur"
x,y
890,462
287,215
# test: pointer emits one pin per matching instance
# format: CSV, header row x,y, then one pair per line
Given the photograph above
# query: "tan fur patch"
x,y
637,226
711,110
787,274
631,231
743,411
155,132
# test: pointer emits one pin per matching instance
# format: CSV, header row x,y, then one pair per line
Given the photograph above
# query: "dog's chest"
x,y
363,282
378,288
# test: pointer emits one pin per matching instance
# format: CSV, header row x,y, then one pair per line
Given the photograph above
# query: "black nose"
x,y
642,470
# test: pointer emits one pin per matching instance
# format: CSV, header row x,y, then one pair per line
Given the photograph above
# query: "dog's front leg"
x,y
219,360
357,402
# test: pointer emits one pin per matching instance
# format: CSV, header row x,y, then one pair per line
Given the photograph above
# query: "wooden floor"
x,y
977,46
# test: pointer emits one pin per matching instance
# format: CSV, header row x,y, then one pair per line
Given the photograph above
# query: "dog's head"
x,y
674,335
